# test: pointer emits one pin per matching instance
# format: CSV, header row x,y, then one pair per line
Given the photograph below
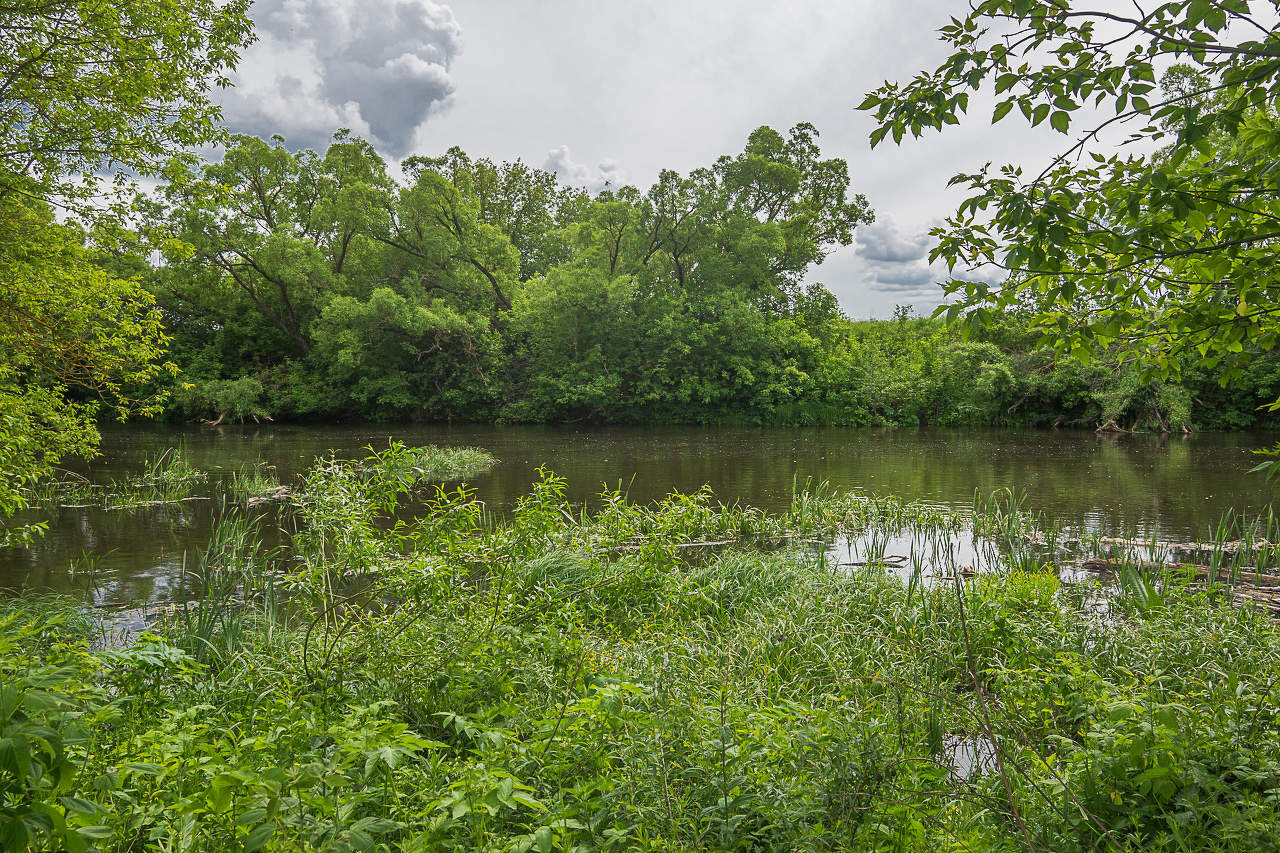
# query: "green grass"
x,y
167,478
563,680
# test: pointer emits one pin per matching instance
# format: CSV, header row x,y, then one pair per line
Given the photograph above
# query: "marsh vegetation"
x,y
675,675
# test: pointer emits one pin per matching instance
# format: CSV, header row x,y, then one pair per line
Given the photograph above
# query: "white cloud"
x,y
883,241
896,261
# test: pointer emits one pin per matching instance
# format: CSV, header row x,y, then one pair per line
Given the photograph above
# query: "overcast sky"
x,y
618,90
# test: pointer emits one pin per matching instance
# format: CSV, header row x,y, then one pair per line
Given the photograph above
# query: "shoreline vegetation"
x,y
909,371
322,286
853,673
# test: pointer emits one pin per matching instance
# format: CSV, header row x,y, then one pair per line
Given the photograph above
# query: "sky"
x,y
614,91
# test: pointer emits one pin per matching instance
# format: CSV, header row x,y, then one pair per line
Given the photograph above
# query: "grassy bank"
x,y
676,676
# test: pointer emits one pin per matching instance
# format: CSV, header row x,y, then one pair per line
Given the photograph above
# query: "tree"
x,y
756,222
528,205
87,87
123,85
74,339
1168,255
267,227
335,289
442,232
685,302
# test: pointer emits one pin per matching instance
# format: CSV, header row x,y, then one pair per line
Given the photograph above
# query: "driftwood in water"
x,y
1202,572
1112,426
1259,597
134,504
222,415
1232,547
896,561
280,494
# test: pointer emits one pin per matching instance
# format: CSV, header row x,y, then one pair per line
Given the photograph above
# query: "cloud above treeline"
x,y
378,67
897,261
606,174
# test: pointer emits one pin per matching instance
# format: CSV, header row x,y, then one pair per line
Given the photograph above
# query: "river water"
x,y
1175,487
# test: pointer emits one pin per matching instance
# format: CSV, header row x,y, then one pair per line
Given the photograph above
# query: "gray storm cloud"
x,y
378,67
896,261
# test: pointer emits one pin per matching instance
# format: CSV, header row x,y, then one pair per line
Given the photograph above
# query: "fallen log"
x,y
1231,547
896,560
628,548
280,494
1253,578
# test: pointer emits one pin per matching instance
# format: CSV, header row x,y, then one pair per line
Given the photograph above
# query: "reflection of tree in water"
x,y
1106,484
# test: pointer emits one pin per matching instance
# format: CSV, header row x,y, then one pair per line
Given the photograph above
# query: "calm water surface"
x,y
1177,487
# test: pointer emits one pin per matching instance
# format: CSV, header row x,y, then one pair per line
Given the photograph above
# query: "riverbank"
x,y
676,675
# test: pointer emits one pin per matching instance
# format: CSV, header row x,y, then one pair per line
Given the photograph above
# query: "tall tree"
x,y
267,226
528,205
333,288
686,302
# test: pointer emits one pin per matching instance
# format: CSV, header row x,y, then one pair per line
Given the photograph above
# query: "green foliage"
x,y
485,292
47,708
1168,256
393,355
74,341
125,86
305,286
640,678
88,87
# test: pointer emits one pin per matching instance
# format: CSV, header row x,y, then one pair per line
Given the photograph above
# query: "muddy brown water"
x,y
1175,487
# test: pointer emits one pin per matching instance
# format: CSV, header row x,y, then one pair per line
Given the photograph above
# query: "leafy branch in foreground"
x,y
1169,256
65,323
88,88
123,86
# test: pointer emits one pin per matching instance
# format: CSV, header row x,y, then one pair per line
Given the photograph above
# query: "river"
x,y
1176,487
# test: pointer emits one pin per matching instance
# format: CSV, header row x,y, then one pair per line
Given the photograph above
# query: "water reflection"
x,y
1175,487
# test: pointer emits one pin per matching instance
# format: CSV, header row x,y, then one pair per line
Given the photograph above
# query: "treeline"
x,y
305,286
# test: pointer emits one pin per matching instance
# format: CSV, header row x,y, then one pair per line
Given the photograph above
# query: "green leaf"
x,y
81,806
259,836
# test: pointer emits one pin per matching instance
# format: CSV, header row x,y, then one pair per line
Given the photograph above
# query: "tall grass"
x,y
165,478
